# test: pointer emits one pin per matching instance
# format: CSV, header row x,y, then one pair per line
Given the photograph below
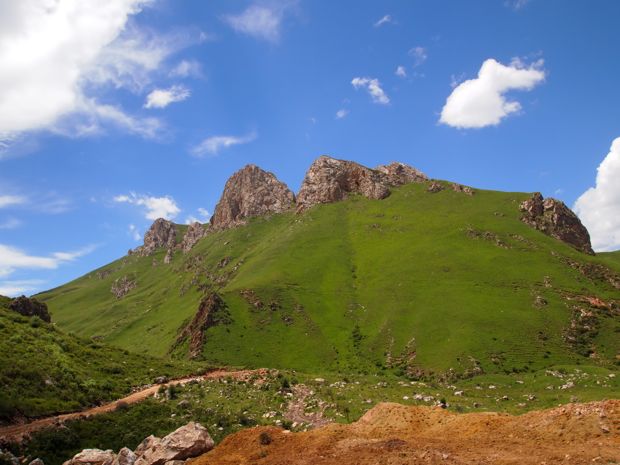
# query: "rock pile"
x,y
30,307
187,442
555,219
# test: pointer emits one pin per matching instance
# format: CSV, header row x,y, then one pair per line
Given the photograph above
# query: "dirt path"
x,y
17,432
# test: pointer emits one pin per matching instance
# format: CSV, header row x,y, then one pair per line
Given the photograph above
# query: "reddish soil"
x,y
393,434
17,432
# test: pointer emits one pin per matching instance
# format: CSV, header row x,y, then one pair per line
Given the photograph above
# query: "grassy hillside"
x,y
44,371
419,283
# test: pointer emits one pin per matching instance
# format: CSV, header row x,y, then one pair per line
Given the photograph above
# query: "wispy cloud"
x,y
481,102
419,55
342,113
214,144
161,98
516,4
401,71
261,20
12,259
387,19
134,232
153,207
12,200
373,87
203,216
10,223
187,68
13,288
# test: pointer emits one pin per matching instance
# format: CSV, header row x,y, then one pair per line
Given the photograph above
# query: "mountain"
x,y
364,269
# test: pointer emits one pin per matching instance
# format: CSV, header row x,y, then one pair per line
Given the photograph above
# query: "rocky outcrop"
x,y
555,219
212,311
397,174
435,187
121,286
30,307
162,233
463,189
194,233
186,442
250,192
330,180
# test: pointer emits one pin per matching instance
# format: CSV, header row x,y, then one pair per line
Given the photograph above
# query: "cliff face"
x,y
555,219
251,192
162,233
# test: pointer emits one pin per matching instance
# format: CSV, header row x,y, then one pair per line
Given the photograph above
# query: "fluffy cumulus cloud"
x,y
599,206
153,207
261,20
56,53
213,145
373,87
161,98
482,101
12,259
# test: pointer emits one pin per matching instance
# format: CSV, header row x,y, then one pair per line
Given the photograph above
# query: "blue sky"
x,y
114,114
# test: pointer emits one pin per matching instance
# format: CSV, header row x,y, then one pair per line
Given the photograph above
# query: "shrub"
x,y
264,438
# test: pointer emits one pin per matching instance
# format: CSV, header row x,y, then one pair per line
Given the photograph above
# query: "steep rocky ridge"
x,y
250,192
555,219
162,233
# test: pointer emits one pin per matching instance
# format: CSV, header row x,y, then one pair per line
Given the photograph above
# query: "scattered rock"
x,y
555,219
186,442
30,307
434,187
250,192
460,188
121,286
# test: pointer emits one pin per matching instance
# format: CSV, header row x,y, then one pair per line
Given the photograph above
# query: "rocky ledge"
x,y
30,307
251,192
555,219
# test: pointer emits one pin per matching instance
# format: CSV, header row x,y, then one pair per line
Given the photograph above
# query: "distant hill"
x,y
424,278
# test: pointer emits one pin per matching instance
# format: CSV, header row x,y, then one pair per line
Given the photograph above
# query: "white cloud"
x,y
15,288
134,233
12,259
11,200
419,55
212,145
373,86
401,71
481,102
262,21
203,217
161,98
187,68
55,55
385,20
342,113
516,4
10,223
154,207
599,206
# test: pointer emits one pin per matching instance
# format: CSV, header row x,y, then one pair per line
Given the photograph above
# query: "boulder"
x,y
194,233
92,457
434,187
146,444
125,456
30,307
250,192
162,233
329,180
555,219
186,442
397,174
463,189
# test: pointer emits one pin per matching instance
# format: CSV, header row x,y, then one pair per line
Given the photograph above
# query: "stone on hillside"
x,y
121,286
435,187
250,192
555,219
146,444
194,233
329,180
37,462
92,457
162,233
30,307
125,456
398,174
460,188
186,442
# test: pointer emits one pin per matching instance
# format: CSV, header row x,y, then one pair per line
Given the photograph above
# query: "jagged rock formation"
x,y
329,180
250,192
555,219
162,233
194,233
398,174
184,443
30,307
211,312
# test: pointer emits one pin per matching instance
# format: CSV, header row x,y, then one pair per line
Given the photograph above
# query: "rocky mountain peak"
x,y
329,180
398,173
162,233
250,192
555,219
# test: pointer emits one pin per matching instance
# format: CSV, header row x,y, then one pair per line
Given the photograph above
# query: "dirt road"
x,y
17,432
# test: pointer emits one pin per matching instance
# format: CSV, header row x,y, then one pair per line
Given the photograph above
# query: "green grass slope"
x,y
43,371
419,283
